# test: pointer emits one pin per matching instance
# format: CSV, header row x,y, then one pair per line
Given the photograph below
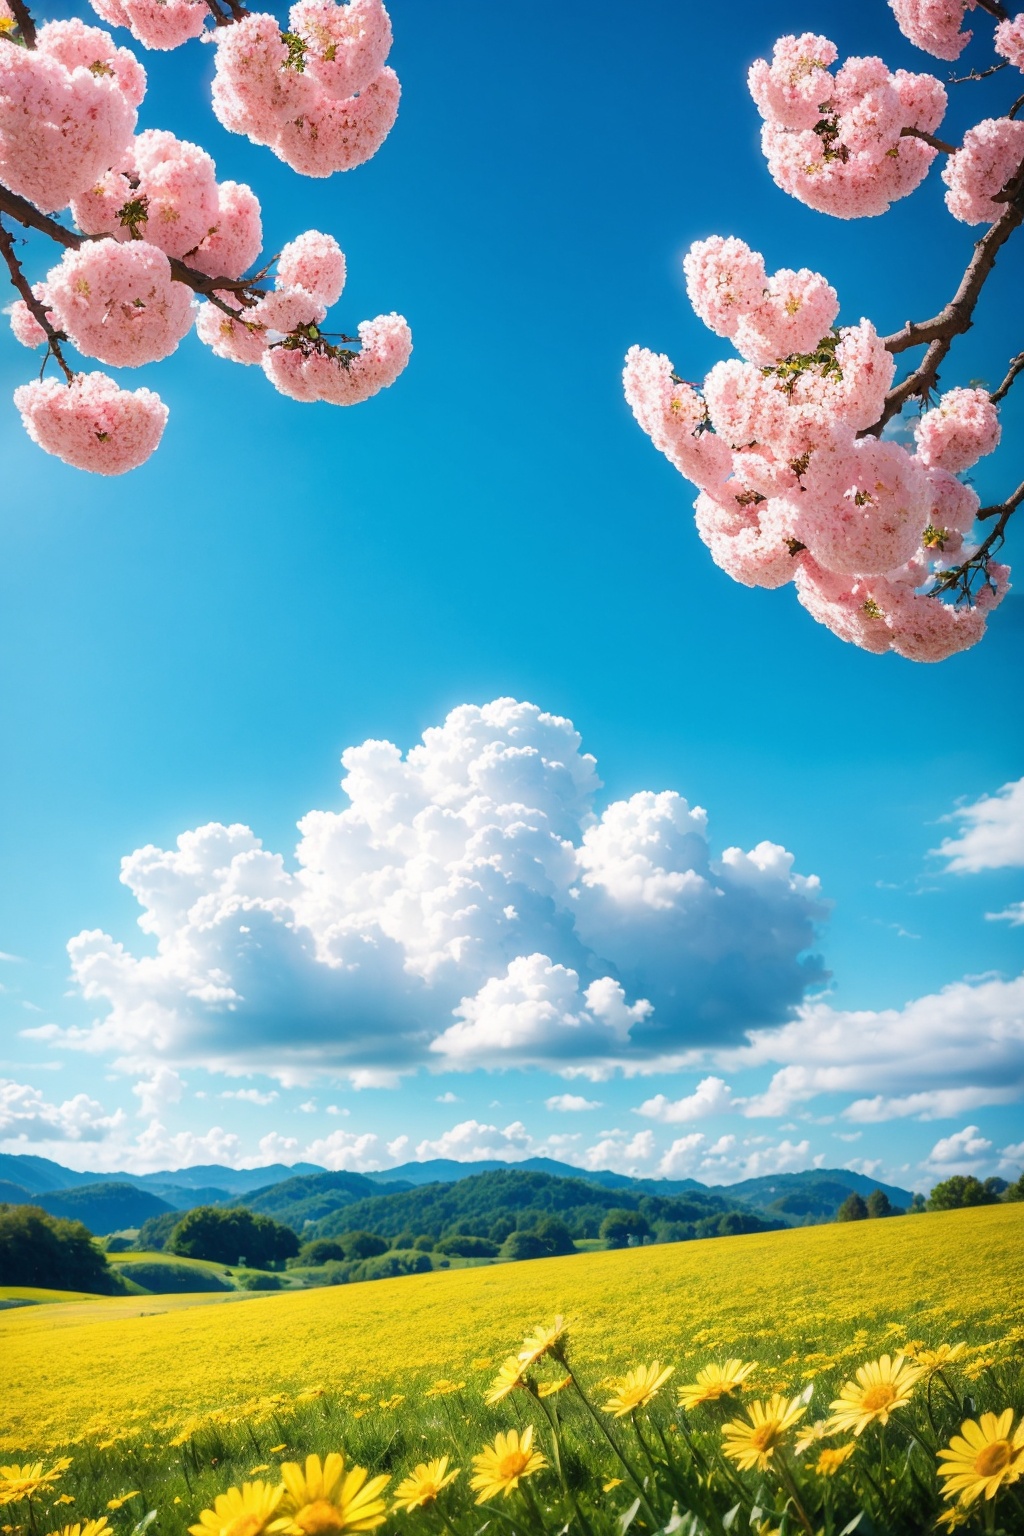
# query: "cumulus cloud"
x,y
252,1096
939,1104
992,833
712,1096
471,907
570,1103
968,1039
966,1151
160,1089
472,1142
728,1160
1013,914
26,1116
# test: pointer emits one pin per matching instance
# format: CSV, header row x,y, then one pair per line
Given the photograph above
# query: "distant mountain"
x,y
14,1194
815,1194
444,1170
104,1208
38,1174
311,1196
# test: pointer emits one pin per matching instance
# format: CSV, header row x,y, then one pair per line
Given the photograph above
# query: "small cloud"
x,y
966,1151
309,1107
992,833
250,1095
334,1109
712,1096
570,1103
448,1098
1013,914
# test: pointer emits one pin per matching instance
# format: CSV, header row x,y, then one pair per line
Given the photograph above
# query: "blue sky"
x,y
201,640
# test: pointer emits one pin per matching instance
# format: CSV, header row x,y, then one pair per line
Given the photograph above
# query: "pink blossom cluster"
x,y
843,143
991,156
788,491
118,303
1009,40
282,330
156,24
934,25
165,191
319,95
68,109
92,423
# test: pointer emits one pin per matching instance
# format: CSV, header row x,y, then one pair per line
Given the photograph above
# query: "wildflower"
x,y
951,1519
244,1511
275,1448
549,1388
831,1459
545,1341
714,1382
424,1484
932,1360
444,1388
24,1482
321,1498
881,1386
122,1499
261,1466
499,1467
751,1442
508,1378
64,1498
811,1434
982,1457
86,1528
613,1482
638,1388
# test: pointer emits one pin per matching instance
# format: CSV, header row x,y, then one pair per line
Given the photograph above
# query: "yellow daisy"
x,y
424,1484
122,1499
499,1467
244,1511
508,1378
881,1386
549,1388
322,1498
951,1519
714,1382
831,1459
444,1388
983,1457
811,1434
24,1482
637,1388
932,1360
751,1442
85,1528
545,1341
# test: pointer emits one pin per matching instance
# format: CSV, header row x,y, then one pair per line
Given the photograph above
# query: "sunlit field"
x,y
174,1400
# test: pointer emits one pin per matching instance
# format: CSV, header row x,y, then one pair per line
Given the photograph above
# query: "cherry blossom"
x,y
959,431
934,25
118,303
991,155
92,423
1009,40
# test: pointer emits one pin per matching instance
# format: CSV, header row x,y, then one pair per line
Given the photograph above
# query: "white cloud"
x,y
357,1153
992,835
966,1151
26,1116
683,1156
162,1088
967,1038
448,1098
309,1107
712,1096
1011,1160
939,1104
570,1103
1013,914
251,1095
621,1152
422,902
472,1142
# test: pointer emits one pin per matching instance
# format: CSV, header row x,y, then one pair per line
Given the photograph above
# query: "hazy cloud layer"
x,y
470,908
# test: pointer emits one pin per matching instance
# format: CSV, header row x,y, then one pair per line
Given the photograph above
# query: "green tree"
x,y
621,1224
1015,1191
918,1205
461,1246
227,1235
322,1250
154,1233
523,1245
362,1245
853,1208
879,1204
958,1191
554,1233
37,1249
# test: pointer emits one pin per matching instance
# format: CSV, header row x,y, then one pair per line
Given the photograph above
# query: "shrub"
x,y
620,1225
259,1283
362,1245
463,1247
553,1232
37,1249
386,1266
231,1236
322,1250
523,1245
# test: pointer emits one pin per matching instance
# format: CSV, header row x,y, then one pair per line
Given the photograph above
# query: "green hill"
x,y
307,1198
103,1207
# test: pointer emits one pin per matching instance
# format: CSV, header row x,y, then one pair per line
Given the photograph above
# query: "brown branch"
x,y
36,308
1015,108
26,26
978,74
961,579
1016,367
26,213
1004,510
958,315
994,8
929,138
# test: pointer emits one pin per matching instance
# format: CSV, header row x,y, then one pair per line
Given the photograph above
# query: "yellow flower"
x,y
545,1341
830,1460
64,1498
275,1448
613,1482
983,1457
932,1360
444,1388
951,1519
637,1388
811,1434
262,1466
244,1511
751,1442
86,1528
508,1378
549,1388
322,1498
714,1382
122,1499
881,1386
423,1486
499,1467
23,1482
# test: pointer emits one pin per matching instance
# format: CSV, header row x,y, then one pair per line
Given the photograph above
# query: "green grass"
x,y
32,1296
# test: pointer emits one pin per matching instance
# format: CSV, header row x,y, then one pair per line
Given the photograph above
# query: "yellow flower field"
x,y
800,1302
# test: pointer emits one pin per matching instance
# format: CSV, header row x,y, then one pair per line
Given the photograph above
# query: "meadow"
x,y
173,1404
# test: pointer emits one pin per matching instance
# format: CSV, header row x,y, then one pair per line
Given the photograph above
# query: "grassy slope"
x,y
782,1295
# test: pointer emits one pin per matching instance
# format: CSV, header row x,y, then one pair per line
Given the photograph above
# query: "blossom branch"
x,y
37,309
994,8
979,74
929,138
26,26
1016,367
26,213
962,579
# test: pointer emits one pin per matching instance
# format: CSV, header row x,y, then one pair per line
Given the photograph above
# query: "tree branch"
x,y
38,310
26,26
1016,366
1004,510
26,213
958,315
961,579
994,8
978,74
929,138
1015,108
